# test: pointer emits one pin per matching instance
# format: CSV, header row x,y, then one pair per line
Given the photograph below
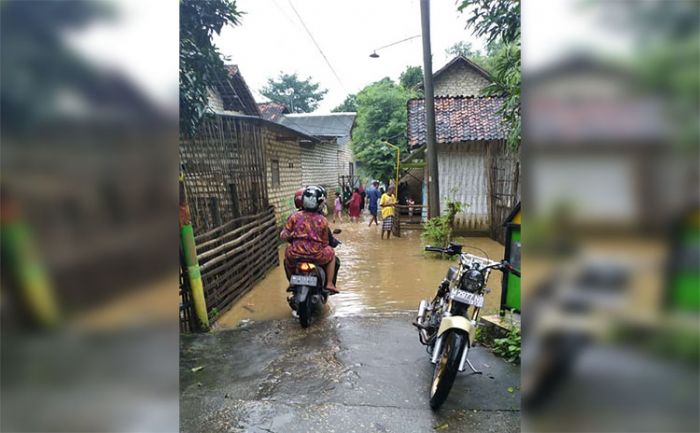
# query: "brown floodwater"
x,y
376,276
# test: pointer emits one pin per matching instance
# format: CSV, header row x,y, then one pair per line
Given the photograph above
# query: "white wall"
x,y
463,167
319,164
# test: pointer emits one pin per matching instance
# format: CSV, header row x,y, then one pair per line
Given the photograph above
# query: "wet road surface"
x,y
343,374
358,368
375,277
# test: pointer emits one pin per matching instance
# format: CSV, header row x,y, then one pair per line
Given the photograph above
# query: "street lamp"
x,y
374,54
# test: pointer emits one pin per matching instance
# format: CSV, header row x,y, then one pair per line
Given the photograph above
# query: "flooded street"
x,y
358,368
376,276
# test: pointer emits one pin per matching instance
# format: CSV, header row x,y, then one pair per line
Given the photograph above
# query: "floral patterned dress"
x,y
308,234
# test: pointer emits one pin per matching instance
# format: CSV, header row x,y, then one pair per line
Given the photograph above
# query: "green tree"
x,y
300,96
38,64
486,61
499,22
381,115
462,48
201,64
349,105
412,78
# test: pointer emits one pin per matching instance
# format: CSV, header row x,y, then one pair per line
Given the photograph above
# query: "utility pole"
x,y
431,152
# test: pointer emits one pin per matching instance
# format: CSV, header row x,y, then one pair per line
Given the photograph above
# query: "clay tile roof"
x,y
459,118
272,110
236,94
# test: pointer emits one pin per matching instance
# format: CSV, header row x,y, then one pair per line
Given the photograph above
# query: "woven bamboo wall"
x,y
224,169
225,176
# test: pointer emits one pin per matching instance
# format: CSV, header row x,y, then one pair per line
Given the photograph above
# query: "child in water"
x,y
338,208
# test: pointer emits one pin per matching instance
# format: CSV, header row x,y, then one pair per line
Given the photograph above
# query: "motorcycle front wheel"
x,y
446,367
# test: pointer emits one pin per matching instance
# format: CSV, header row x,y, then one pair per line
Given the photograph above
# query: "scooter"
x,y
307,286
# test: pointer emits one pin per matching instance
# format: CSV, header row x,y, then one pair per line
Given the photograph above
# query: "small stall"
x,y
510,289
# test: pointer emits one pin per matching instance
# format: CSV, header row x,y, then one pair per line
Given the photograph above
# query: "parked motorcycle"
x,y
446,325
307,285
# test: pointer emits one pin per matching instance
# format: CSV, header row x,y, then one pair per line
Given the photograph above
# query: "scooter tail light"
x,y
306,266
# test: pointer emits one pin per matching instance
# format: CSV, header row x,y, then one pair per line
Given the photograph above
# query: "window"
x,y
351,169
275,173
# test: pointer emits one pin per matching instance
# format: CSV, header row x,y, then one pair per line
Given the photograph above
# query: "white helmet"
x,y
313,198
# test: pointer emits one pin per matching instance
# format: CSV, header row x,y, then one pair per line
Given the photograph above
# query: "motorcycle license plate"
x,y
303,280
467,298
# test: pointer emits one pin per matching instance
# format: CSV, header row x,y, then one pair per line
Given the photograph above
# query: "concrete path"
x,y
349,374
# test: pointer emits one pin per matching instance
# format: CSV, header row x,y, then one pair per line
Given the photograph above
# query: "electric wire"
x,y
317,46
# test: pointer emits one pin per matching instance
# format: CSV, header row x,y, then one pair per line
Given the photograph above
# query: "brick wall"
x,y
288,154
344,157
301,165
319,164
458,80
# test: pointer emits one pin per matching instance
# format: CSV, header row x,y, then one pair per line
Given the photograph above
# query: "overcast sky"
x,y
143,42
271,39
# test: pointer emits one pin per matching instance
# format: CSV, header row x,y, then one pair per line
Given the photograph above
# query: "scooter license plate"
x,y
467,298
303,280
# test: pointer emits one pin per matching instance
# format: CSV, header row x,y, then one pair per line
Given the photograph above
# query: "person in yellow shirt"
x,y
387,203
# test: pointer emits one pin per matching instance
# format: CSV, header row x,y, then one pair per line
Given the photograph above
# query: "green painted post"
x,y
190,252
34,287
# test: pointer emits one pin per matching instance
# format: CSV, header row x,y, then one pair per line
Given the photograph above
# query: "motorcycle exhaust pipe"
x,y
436,350
421,311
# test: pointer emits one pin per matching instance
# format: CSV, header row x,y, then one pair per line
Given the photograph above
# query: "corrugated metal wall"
x,y
462,168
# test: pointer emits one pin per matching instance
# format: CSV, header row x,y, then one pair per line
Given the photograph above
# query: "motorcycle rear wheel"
x,y
304,311
446,368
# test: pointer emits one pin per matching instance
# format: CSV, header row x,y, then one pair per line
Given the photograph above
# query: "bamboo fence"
x,y
232,262
504,187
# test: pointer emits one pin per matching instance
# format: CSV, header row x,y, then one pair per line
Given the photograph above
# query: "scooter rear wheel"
x,y
304,311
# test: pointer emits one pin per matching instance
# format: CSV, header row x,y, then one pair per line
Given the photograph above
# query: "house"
x,y
473,165
460,77
468,132
599,148
232,95
280,144
299,149
324,162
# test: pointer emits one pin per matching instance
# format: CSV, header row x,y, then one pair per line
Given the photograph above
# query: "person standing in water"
x,y
337,208
354,205
373,198
363,197
387,203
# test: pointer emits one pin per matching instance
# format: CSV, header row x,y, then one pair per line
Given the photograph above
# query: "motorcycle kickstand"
x,y
474,370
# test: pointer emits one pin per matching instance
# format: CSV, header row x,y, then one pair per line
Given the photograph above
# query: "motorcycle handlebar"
x,y
508,267
435,249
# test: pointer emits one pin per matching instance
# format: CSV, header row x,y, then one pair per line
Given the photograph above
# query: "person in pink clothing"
x,y
338,208
308,234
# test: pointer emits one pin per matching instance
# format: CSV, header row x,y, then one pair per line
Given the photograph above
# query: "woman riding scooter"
x,y
309,235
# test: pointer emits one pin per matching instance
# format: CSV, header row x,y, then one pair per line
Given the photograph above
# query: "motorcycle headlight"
x,y
472,281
